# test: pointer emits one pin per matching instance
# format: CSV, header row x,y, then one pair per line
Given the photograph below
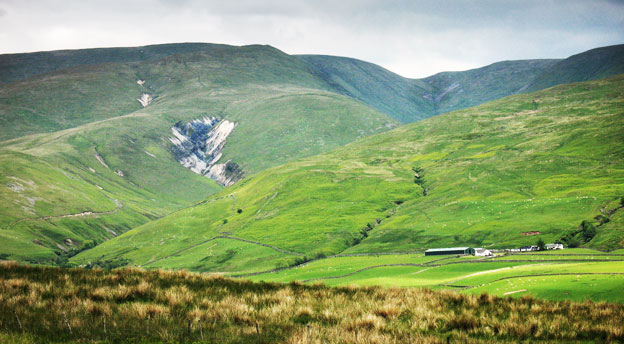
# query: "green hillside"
x,y
113,169
459,90
403,99
482,176
14,67
589,65
67,99
410,100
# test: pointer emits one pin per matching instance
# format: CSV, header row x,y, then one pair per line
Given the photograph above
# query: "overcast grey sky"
x,y
413,38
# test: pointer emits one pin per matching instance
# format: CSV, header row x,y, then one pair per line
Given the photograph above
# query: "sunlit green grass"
x,y
577,287
496,276
552,167
282,111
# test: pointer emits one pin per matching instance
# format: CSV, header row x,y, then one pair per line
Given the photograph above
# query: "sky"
x,y
414,38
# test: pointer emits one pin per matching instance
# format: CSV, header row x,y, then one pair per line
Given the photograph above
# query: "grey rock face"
x,y
198,146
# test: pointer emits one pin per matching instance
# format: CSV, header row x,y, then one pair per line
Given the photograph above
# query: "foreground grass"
x,y
41,305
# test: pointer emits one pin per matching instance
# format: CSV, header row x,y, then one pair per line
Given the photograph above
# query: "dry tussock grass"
x,y
132,305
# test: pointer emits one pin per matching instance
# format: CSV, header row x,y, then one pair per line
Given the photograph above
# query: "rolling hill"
x,y
401,98
409,100
589,65
485,176
108,164
15,67
458,90
88,137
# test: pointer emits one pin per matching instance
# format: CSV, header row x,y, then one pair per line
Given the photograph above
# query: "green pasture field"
x,y
596,288
467,274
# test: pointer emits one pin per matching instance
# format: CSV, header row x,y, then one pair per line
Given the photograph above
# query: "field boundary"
x,y
221,237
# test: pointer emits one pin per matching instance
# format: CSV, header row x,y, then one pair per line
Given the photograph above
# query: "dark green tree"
x,y
541,245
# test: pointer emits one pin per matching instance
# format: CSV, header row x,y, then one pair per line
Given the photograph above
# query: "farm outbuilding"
x,y
449,251
482,252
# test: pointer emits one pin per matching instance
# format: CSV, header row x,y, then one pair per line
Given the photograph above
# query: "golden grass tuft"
x,y
163,306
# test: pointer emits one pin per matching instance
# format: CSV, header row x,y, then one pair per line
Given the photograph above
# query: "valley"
x,y
478,177
250,163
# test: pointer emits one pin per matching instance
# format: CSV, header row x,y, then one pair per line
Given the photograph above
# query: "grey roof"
x,y
447,249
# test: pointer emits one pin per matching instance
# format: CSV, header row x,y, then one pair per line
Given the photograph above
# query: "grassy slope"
x,y
282,113
67,99
15,67
589,65
458,90
410,100
404,99
130,306
543,161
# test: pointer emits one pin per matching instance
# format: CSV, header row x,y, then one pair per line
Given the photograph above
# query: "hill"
x,y
15,67
458,90
109,165
485,176
589,65
403,99
99,141
410,100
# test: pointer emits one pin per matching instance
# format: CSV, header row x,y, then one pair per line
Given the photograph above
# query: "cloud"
x,y
414,38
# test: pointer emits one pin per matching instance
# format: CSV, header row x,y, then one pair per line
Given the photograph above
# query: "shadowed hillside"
x,y
590,65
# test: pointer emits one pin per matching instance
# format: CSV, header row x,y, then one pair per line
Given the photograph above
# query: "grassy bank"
x,y
42,305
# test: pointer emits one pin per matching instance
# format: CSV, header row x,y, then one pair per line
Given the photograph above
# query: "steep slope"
x,y
459,90
404,99
67,99
589,65
410,100
114,173
542,162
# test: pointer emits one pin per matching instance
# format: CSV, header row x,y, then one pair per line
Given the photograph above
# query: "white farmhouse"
x,y
482,252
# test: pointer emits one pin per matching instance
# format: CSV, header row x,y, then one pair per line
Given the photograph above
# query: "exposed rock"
x,y
198,146
119,173
150,154
16,187
99,158
112,232
145,99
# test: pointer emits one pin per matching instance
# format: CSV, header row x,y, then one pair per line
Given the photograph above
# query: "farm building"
x,y
482,252
449,251
554,246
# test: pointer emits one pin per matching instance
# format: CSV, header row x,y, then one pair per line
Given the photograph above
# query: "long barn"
x,y
449,251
